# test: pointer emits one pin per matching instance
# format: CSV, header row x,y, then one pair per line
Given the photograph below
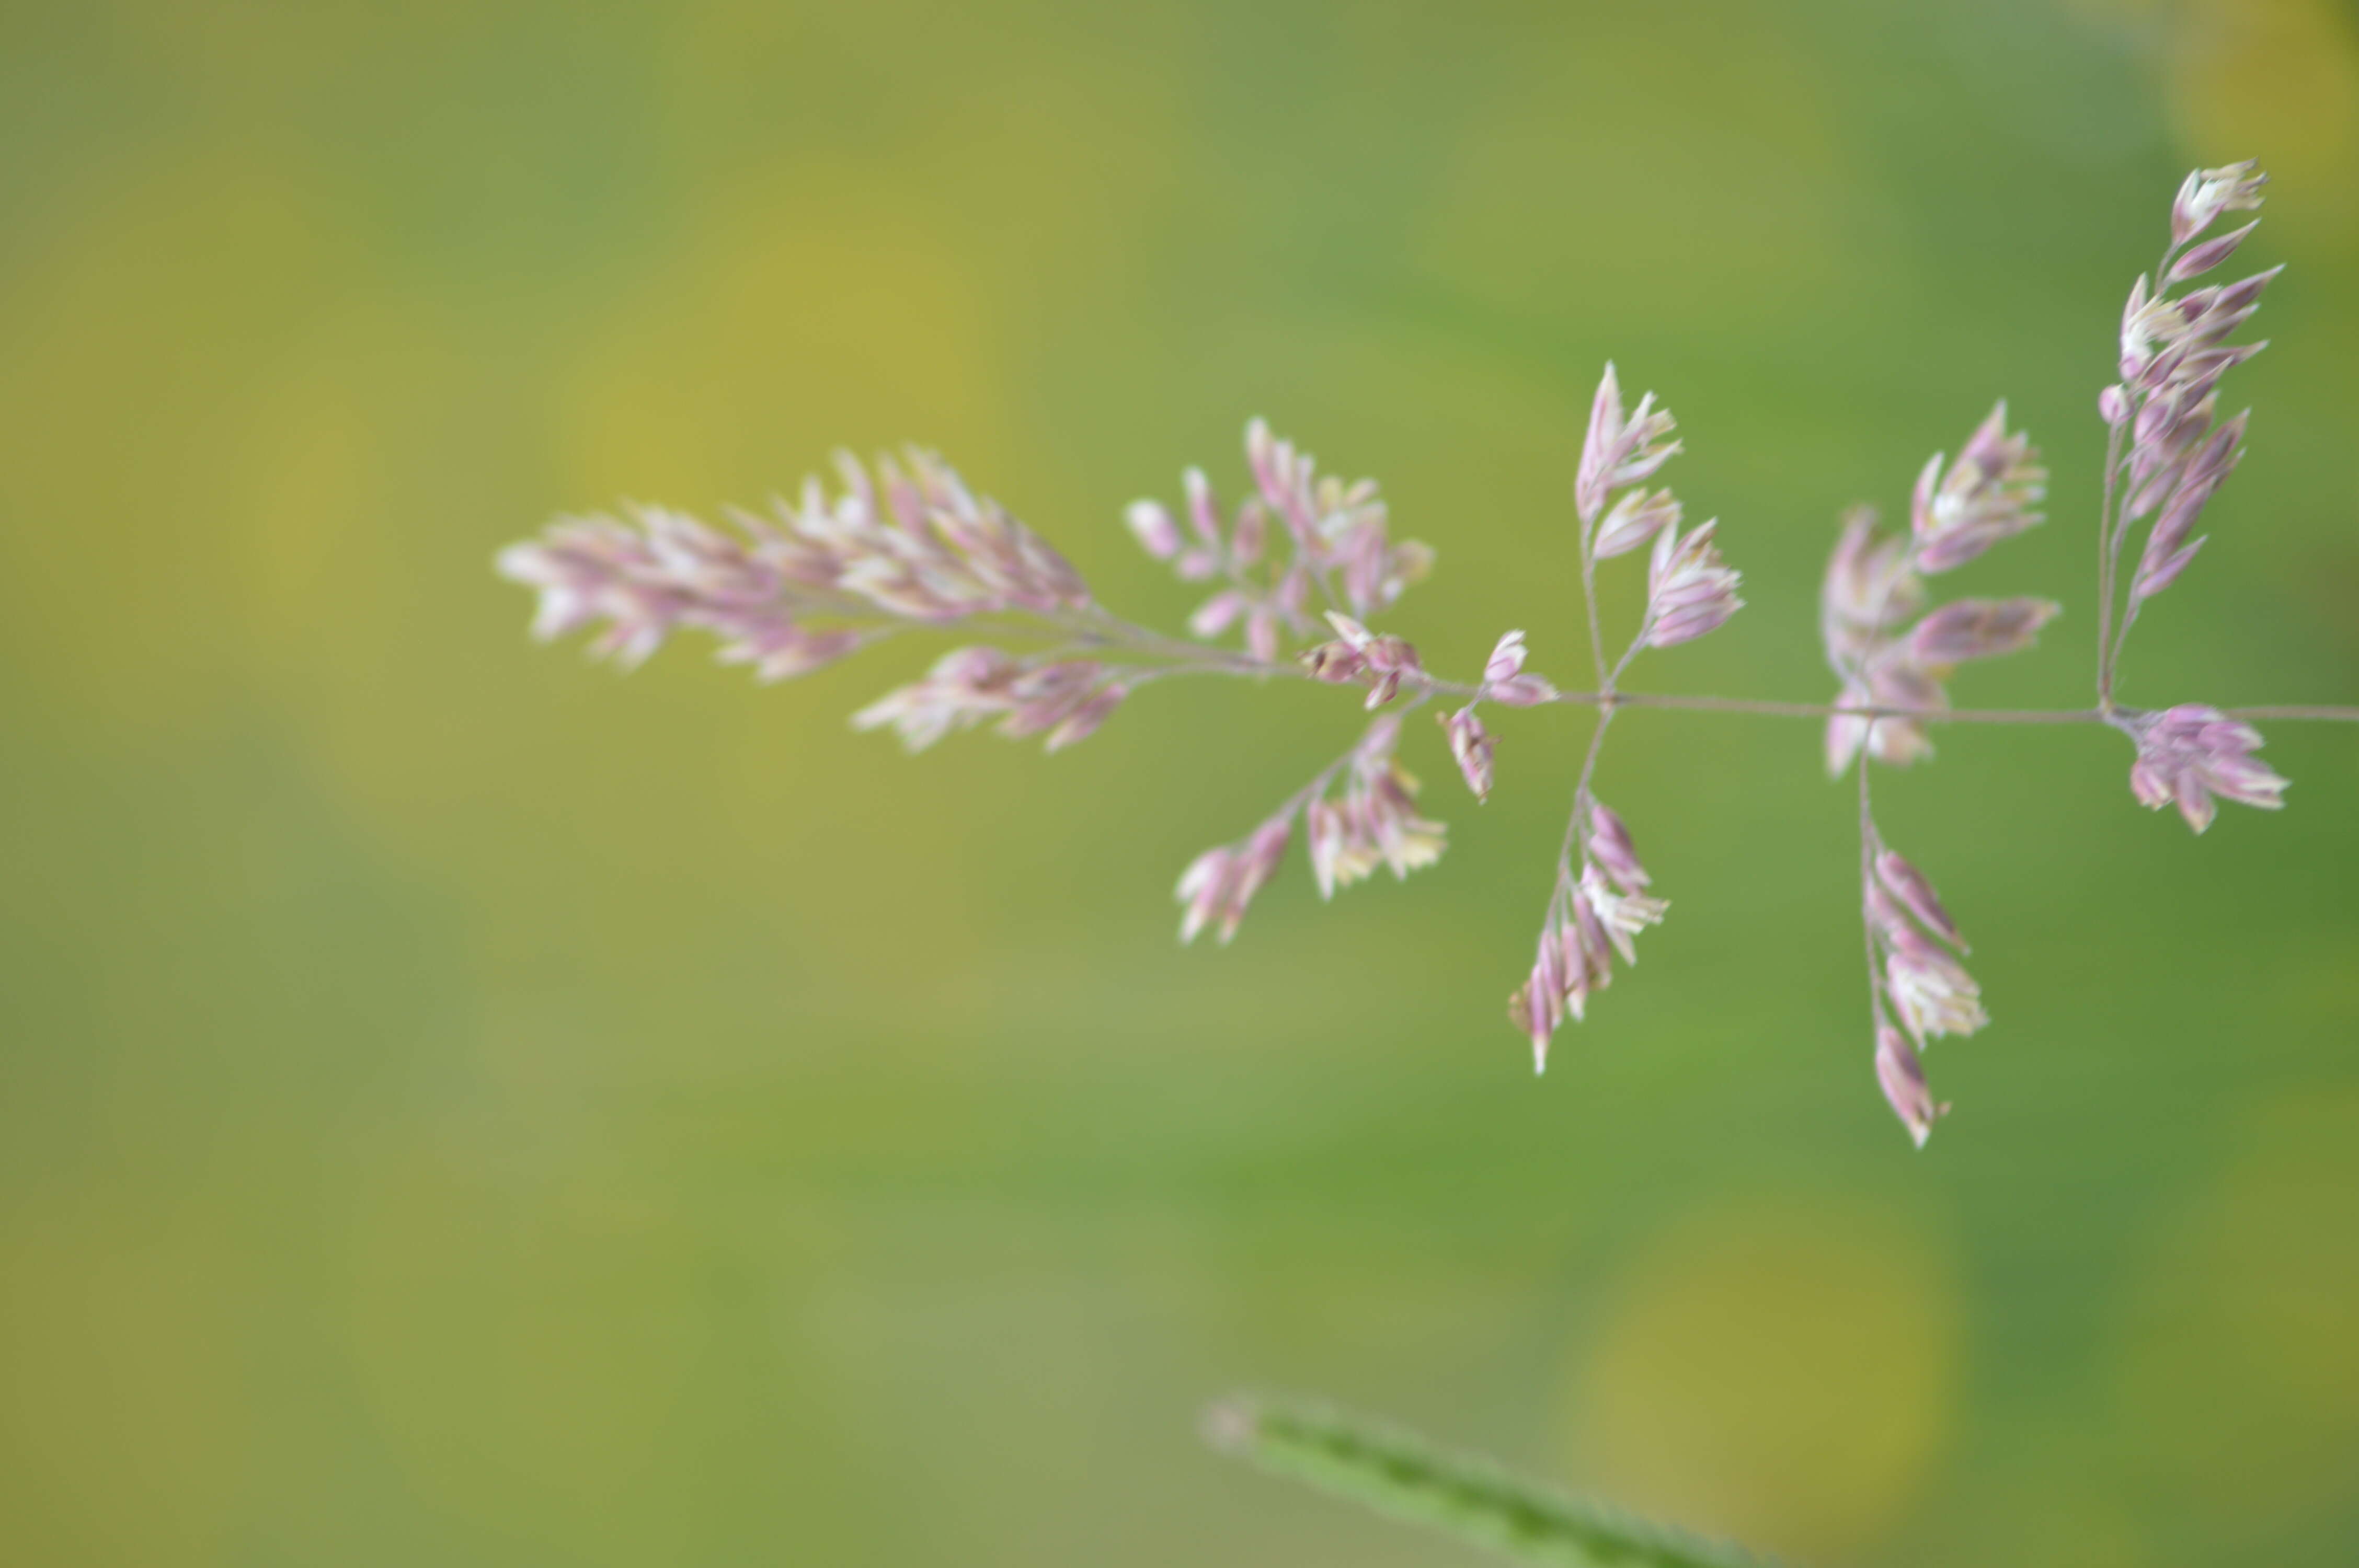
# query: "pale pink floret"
x,y
2208,192
1980,629
1340,532
967,686
2189,753
1220,883
1689,589
1619,451
1928,988
1636,518
1590,920
1375,823
1987,495
1506,658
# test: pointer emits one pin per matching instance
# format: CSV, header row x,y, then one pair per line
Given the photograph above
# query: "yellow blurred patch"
x,y
806,313
1781,1370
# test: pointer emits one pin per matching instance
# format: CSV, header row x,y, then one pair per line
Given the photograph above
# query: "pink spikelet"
x,y
1593,918
1875,587
1900,1073
1293,578
1374,822
1619,451
1220,883
2188,754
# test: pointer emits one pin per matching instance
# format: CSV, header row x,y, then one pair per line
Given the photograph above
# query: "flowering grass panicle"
x,y
1302,569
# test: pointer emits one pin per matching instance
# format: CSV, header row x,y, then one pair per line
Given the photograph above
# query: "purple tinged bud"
x,y
1902,1076
1156,533
1506,658
2114,404
1907,884
2189,753
1980,629
1609,842
2152,579
1195,566
2202,258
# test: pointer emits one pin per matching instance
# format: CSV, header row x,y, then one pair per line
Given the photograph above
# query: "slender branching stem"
x,y
2106,565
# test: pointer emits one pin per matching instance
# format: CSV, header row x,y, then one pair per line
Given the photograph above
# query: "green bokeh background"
x,y
458,1106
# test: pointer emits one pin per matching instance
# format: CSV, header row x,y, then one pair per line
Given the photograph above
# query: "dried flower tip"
x,y
1689,589
1986,496
1636,518
1980,629
2208,192
1619,451
1150,521
1506,658
1334,662
1902,1076
1609,842
1472,745
1218,884
2189,753
1907,884
1387,658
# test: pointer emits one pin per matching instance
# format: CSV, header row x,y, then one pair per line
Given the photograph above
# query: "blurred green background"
x,y
458,1106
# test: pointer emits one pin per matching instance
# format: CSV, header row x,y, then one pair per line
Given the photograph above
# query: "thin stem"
x,y
1868,839
1576,835
2105,560
1589,599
